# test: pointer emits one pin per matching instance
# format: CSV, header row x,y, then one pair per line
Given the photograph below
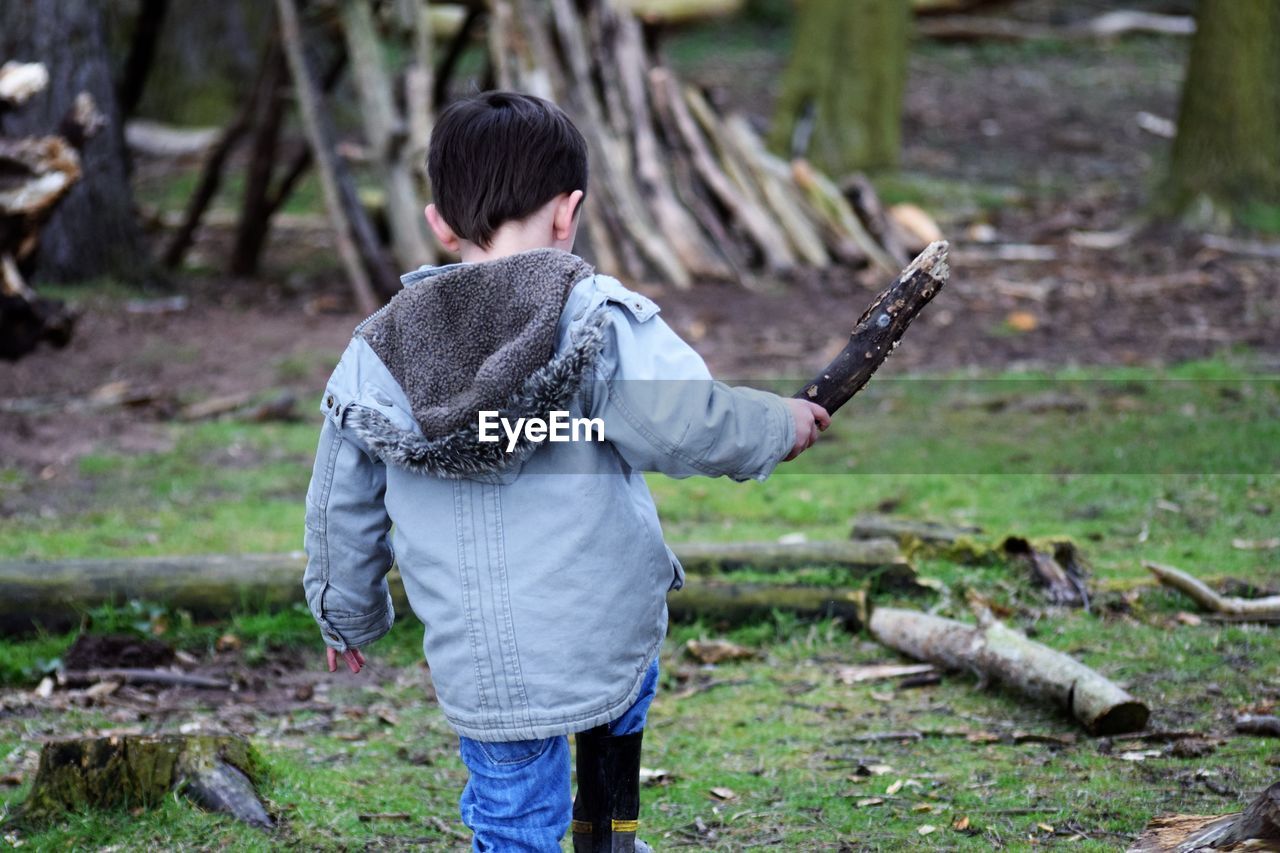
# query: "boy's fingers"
x,y
823,417
352,662
332,657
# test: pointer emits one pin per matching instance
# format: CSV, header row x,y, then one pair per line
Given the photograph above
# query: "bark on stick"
x,y
879,329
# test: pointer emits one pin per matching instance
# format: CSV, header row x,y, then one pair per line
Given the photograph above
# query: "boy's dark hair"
x,y
499,156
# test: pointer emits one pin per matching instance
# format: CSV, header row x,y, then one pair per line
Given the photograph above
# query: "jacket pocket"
x,y
677,570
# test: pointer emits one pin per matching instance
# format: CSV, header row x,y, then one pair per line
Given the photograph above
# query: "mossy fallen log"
x,y
735,603
877,561
53,595
217,772
999,653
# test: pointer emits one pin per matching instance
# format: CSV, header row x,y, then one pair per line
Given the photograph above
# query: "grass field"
x,y
1133,464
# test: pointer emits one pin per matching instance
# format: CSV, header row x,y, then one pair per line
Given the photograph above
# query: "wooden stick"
x,y
1005,655
879,329
387,133
320,137
82,677
757,225
1197,591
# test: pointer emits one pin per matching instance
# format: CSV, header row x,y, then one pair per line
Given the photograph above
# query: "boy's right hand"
x,y
810,419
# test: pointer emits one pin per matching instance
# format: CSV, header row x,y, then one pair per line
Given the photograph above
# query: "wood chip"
x,y
880,672
895,787
870,801
927,829
724,794
961,823
718,651
1256,544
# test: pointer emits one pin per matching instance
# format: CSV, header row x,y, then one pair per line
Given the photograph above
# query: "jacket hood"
x,y
470,337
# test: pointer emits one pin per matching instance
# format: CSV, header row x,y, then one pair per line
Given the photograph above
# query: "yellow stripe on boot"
x,y
626,825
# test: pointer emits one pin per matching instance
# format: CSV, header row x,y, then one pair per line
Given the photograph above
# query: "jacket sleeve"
x,y
663,412
348,543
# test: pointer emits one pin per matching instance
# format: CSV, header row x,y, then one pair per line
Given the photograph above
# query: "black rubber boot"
x,y
606,810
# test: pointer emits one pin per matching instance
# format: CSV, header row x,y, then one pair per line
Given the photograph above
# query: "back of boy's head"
x,y
498,157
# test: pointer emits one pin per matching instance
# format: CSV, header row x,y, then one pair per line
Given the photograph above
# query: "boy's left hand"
x,y
353,657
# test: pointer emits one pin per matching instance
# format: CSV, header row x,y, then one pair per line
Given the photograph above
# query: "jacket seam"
x,y
463,577
656,441
335,446
518,698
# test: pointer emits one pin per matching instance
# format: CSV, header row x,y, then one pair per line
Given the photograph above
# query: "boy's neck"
x,y
510,239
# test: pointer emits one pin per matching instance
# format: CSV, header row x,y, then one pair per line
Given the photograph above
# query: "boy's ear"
x,y
441,229
567,207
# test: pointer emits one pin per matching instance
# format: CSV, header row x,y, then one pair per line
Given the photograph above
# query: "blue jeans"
x,y
518,796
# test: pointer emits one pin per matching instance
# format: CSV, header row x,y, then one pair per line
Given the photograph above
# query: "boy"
x,y
537,566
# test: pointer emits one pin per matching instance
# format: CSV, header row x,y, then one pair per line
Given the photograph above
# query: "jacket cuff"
x,y
778,438
349,631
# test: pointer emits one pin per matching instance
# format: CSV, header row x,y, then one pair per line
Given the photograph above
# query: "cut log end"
x,y
1121,718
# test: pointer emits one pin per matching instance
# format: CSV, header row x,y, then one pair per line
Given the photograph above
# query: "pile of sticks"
x,y
679,192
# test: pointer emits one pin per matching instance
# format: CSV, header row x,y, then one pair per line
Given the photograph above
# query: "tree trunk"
x,y
841,102
215,771
142,53
1001,654
93,232
1228,144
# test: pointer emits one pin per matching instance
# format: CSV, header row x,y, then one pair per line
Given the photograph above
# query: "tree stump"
x,y
216,772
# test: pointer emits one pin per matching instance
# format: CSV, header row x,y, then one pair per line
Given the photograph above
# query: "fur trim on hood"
x,y
477,337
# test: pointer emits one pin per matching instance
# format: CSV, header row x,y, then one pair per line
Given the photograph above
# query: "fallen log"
x,y
216,772
879,329
1262,725
878,560
1002,654
904,530
725,604
53,595
1255,828
1265,609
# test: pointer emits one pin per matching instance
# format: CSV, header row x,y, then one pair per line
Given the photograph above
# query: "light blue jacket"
x,y
542,589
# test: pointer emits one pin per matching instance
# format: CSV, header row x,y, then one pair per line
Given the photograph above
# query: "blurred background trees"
x,y
94,231
841,101
1227,152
